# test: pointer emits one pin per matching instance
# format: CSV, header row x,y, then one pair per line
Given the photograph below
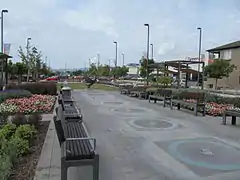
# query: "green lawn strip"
x,y
95,86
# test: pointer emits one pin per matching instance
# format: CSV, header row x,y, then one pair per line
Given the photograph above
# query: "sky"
x,y
69,32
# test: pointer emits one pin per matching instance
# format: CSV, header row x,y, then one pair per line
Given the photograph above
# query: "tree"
x,y
165,80
32,59
219,69
77,73
120,71
143,68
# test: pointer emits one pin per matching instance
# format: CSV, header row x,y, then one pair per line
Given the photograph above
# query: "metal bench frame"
x,y
65,164
232,113
161,96
196,105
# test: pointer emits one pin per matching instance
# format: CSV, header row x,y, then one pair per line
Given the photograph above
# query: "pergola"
x,y
180,65
4,62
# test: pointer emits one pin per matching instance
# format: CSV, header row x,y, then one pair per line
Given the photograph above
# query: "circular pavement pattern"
x,y
128,110
207,153
112,103
153,124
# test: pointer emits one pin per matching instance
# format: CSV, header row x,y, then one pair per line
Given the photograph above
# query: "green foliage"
x,y
22,145
7,131
219,69
25,132
165,80
5,167
14,142
44,88
77,73
143,68
119,71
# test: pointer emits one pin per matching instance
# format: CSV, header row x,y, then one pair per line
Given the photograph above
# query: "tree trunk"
x,y
28,73
216,81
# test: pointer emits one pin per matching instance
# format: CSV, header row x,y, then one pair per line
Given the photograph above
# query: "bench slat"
x,y
78,149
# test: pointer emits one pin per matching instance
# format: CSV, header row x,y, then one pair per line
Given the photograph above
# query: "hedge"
x,y
44,88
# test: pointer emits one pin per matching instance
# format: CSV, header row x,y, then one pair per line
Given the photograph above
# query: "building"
x,y
133,69
229,52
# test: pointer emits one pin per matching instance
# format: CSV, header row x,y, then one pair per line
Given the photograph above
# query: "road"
x,y
141,141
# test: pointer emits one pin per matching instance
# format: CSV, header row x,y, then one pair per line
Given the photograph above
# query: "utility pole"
x,y
148,32
199,55
123,59
28,61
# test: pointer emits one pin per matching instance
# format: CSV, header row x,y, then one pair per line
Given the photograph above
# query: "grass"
x,y
95,86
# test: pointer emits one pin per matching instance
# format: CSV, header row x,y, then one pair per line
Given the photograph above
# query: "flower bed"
x,y
215,109
33,104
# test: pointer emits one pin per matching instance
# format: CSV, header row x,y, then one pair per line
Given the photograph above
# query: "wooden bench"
x,y
77,148
124,89
233,114
69,111
138,91
164,95
198,101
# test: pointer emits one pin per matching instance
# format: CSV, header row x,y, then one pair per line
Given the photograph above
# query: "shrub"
x,y
34,119
19,119
25,132
7,131
44,88
13,93
22,145
5,167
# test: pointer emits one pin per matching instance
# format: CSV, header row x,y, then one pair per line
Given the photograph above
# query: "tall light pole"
x,y
123,59
28,42
116,56
2,45
147,25
199,53
151,50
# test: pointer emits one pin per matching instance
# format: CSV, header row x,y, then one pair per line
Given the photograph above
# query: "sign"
x,y
195,59
6,48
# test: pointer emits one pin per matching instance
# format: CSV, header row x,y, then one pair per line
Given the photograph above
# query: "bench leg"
x,y
196,110
203,111
171,105
164,102
178,106
64,170
224,119
233,120
155,101
96,168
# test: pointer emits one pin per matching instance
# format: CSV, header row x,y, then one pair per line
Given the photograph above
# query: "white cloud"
x,y
73,31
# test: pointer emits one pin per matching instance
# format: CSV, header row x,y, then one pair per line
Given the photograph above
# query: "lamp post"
x,y
115,42
147,25
151,50
123,59
199,53
28,62
2,45
2,12
116,56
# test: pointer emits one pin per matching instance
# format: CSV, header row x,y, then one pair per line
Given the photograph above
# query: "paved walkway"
x,y
141,141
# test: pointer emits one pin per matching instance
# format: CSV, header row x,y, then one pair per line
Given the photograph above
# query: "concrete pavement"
x,y
141,141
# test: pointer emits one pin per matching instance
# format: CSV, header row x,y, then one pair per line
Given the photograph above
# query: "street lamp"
x,y
2,12
115,42
123,58
28,65
152,50
199,53
147,25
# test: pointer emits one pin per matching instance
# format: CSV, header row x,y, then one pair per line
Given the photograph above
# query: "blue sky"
x,y
73,31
